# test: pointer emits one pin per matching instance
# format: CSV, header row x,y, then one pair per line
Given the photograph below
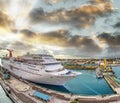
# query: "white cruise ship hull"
x,y
30,73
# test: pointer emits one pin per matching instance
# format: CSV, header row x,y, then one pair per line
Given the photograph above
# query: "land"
x,y
87,64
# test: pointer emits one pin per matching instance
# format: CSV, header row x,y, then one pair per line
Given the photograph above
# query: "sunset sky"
x,y
62,28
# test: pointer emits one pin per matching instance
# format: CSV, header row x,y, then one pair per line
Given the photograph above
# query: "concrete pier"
x,y
22,91
113,84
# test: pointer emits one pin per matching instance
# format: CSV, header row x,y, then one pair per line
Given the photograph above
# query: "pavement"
x,y
18,85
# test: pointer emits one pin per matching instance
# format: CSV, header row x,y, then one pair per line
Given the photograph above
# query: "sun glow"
x,y
10,37
18,11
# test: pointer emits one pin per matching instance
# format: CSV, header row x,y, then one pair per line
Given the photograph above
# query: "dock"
x,y
21,91
113,84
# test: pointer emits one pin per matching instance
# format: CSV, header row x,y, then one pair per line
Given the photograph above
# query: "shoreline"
x,y
89,68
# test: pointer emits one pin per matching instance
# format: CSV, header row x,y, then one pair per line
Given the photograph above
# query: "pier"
x,y
113,84
21,91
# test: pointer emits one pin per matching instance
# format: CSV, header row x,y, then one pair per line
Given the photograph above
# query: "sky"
x,y
62,28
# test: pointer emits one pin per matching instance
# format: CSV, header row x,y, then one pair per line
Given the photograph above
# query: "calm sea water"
x,y
3,97
117,71
85,84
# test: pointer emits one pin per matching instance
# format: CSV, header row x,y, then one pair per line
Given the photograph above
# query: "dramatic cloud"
x,y
28,33
98,1
5,21
83,16
59,25
64,39
117,25
110,39
113,42
18,45
37,14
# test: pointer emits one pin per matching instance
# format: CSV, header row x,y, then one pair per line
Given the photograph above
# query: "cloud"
x,y
67,18
113,42
113,51
81,17
16,45
4,4
98,1
53,38
20,46
37,14
110,39
27,33
63,38
5,21
117,25
4,44
50,2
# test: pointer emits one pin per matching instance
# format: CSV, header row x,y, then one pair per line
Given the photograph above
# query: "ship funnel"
x,y
10,52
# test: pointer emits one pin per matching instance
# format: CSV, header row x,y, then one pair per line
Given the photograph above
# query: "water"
x,y
116,69
85,84
3,97
88,84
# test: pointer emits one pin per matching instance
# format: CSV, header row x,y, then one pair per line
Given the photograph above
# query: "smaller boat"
x,y
99,73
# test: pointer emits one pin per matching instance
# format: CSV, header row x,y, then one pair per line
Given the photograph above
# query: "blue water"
x,y
3,97
116,69
85,84
88,84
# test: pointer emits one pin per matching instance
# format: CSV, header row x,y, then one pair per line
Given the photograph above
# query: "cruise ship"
x,y
38,68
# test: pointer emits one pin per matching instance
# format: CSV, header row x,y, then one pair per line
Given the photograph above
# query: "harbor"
x,y
59,51
21,91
